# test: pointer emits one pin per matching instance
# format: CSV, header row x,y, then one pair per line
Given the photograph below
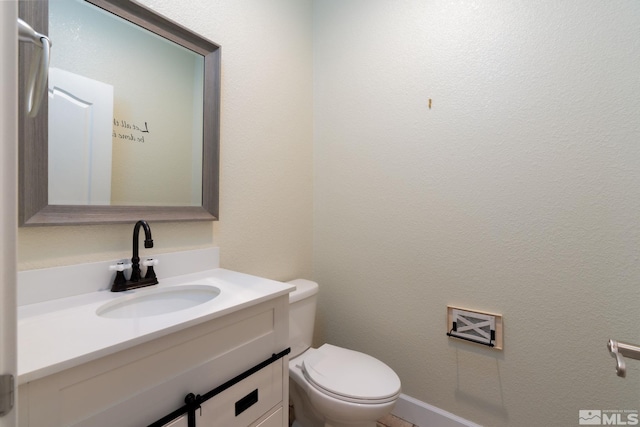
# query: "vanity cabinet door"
x,y
244,403
273,420
180,422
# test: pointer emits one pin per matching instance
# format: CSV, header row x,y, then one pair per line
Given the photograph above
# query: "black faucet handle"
x,y
119,282
149,263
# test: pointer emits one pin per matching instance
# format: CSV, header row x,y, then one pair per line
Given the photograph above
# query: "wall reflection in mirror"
x,y
125,113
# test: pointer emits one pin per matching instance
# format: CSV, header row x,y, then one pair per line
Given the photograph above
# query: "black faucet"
x,y
136,281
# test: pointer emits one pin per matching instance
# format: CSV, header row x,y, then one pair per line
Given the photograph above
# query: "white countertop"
x,y
59,334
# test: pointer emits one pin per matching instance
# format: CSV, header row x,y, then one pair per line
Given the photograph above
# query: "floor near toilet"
x,y
393,421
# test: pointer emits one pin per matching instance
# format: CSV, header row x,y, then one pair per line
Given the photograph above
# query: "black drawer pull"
x,y
246,402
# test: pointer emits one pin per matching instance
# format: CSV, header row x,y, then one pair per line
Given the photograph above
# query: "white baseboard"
x,y
424,415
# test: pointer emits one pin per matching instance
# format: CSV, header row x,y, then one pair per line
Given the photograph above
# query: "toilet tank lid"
x,y
304,289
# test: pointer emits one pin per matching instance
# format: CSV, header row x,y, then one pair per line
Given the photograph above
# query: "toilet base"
x,y
315,408
305,413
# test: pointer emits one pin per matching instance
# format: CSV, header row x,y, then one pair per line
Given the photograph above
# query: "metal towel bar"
x,y
37,80
620,350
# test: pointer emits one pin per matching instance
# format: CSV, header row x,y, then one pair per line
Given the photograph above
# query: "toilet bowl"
x,y
332,386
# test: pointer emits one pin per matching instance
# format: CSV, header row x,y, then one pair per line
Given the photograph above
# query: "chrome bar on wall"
x,y
37,81
620,350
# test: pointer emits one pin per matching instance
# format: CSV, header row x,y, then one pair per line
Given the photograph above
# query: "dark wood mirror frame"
x,y
34,209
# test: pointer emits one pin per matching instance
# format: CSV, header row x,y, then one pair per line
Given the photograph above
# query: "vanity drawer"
x,y
245,402
273,420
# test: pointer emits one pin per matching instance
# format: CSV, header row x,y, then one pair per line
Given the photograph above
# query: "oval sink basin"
x,y
158,301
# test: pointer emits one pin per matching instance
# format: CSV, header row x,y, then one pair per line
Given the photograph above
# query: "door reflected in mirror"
x,y
125,113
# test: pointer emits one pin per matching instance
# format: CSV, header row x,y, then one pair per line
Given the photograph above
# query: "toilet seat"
x,y
350,375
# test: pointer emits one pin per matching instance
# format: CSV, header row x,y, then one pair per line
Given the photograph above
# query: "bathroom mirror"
x,y
130,126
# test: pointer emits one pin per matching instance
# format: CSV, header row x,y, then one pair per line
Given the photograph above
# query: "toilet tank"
x,y
302,315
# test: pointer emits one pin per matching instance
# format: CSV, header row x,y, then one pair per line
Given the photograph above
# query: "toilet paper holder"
x,y
479,327
620,350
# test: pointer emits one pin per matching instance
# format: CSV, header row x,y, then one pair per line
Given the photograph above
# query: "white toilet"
x,y
331,386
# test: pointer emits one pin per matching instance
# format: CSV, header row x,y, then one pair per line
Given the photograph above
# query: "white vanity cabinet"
x,y
139,385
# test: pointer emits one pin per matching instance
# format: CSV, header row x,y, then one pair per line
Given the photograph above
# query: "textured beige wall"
x,y
265,225
518,192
